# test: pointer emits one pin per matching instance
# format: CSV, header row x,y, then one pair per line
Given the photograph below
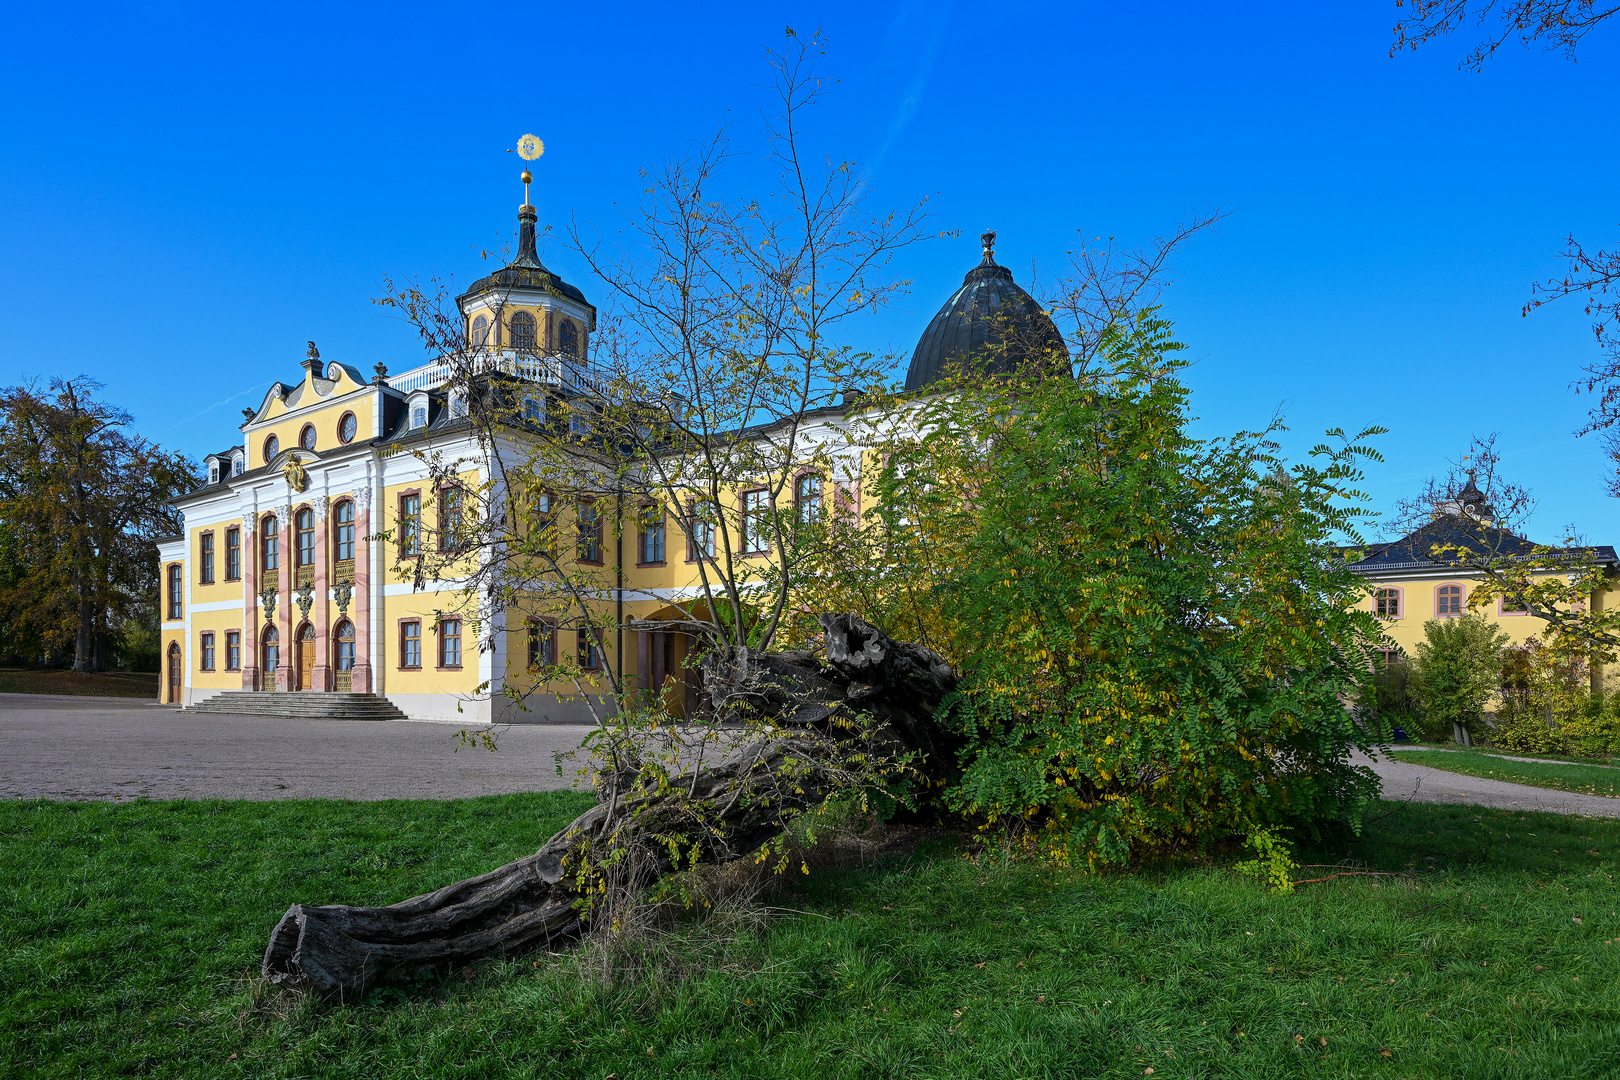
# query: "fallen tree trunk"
x,y
341,951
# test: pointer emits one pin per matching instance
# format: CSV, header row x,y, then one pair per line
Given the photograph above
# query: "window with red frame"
x,y
1389,603
1448,600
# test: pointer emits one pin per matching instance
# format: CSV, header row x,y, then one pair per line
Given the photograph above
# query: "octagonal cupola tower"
x,y
989,324
525,307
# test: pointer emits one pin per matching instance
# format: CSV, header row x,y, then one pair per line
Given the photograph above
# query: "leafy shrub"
x,y
1456,670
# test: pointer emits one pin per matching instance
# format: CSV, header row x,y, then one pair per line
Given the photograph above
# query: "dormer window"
x,y
523,331
272,447
419,416
236,465
213,472
458,406
480,332
569,338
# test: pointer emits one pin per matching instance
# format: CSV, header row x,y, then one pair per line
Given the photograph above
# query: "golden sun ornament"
x,y
530,147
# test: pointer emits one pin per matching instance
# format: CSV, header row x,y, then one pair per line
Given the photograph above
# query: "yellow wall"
x,y
1418,607
347,396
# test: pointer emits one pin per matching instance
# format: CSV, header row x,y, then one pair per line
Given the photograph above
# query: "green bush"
x,y
1456,670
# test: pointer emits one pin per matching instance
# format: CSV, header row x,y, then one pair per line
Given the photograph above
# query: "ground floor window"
x,y
450,643
410,645
233,650
590,650
542,644
345,646
206,652
272,650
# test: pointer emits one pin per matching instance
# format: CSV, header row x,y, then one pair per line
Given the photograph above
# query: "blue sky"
x,y
188,193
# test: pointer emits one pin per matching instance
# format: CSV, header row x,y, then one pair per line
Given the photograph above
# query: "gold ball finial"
x,y
527,177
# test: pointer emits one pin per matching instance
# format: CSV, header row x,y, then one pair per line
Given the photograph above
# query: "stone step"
x,y
302,704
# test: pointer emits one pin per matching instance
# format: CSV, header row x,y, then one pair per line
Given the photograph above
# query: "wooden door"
x,y
174,674
306,657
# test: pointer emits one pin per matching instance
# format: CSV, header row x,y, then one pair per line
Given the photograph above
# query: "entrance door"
x,y
306,656
174,673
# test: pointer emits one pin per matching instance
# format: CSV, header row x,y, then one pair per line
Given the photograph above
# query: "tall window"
x,y
176,591
233,554
272,447
569,339
542,644
590,650
756,518
205,559
449,519
344,516
523,331
236,466
213,472
206,652
699,531
1389,603
419,416
410,525
480,331
532,409
543,522
590,533
450,643
345,646
1448,600
270,542
347,427
410,645
807,499
652,534
306,537
272,652
233,650
306,438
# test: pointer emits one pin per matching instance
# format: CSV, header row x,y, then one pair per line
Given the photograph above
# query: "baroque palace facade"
x,y
274,585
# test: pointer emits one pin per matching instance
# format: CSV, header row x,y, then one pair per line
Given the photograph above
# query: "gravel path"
x,y
118,749
1423,784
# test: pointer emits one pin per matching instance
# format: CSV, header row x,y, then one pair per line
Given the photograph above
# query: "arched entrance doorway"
x,y
343,640
174,673
305,658
270,647
662,667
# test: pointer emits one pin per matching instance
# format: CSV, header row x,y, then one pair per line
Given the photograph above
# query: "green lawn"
x,y
130,935
1561,776
79,683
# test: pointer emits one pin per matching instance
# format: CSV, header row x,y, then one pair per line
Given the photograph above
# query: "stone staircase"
x,y
305,704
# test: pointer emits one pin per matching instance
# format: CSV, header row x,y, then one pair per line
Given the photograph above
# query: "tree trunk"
x,y
341,951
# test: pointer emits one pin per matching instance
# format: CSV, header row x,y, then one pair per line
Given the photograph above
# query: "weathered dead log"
x,y
341,951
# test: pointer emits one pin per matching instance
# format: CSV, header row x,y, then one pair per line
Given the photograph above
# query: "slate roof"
x,y
526,271
991,321
1412,551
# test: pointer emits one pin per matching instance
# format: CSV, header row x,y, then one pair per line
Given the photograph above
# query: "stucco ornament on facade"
x,y
297,478
322,504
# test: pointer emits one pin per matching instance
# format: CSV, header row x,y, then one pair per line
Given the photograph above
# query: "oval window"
x,y
272,447
346,428
306,438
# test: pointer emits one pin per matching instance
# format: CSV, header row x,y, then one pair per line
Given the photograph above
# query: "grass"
x,y
130,935
1560,776
130,684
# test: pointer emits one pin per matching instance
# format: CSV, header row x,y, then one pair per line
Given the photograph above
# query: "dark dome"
x,y
526,271
991,322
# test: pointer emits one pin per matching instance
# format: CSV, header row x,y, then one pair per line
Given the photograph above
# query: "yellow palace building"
x,y
274,590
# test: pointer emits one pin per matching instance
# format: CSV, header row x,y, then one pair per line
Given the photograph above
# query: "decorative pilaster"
x,y
360,677
285,624
250,602
320,676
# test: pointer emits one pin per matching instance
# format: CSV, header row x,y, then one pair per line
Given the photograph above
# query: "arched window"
x,y
213,472
236,466
568,339
347,428
306,438
523,331
1448,600
270,543
343,515
480,331
345,645
271,647
419,416
305,523
272,447
176,591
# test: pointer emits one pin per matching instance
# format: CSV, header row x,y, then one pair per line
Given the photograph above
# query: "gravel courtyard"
x,y
117,749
